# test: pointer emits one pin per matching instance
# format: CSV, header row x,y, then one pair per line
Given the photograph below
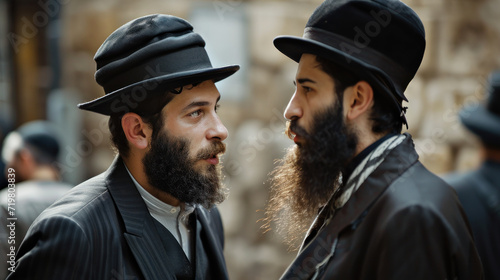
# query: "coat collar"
x,y
140,230
213,245
353,212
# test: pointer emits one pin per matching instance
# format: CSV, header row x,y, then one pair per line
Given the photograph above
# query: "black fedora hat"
x,y
484,120
383,41
144,59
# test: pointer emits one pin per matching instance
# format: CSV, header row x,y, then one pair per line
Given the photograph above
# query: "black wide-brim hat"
x,y
382,41
143,60
484,119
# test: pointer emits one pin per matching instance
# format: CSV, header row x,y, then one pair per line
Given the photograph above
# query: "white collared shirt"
x,y
173,218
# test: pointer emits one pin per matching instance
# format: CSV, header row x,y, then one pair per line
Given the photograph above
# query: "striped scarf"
x,y
342,194
366,167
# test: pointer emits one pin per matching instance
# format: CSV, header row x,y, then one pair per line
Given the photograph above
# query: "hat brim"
x,y
482,122
147,89
294,47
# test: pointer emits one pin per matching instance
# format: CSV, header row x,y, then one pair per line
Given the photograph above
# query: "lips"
x,y
211,154
296,138
296,133
293,135
213,160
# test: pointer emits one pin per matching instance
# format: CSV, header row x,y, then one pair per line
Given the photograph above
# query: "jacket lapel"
x,y
212,245
322,246
140,230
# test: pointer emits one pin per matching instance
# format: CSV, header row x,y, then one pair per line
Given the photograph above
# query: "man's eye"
x,y
195,113
306,89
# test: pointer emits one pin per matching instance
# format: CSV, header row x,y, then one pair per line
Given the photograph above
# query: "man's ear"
x,y
359,100
138,132
25,157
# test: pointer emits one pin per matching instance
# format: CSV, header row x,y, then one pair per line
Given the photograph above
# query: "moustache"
x,y
215,149
293,128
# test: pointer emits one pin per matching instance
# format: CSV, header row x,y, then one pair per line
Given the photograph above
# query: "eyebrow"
x,y
198,104
304,80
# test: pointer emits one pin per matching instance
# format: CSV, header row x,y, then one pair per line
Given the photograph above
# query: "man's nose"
x,y
218,130
293,109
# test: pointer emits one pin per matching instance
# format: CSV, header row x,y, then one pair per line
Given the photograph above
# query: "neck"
x,y
491,154
362,126
136,168
45,173
366,139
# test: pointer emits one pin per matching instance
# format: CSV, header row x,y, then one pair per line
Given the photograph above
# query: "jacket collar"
x,y
370,190
213,245
140,230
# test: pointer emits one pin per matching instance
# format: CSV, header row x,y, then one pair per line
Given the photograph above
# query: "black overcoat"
x,y
479,193
402,223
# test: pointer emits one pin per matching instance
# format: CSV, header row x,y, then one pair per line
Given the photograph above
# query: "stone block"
x,y
467,44
271,19
440,121
437,157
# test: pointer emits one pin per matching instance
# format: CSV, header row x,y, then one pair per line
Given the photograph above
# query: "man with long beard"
x,y
151,215
352,180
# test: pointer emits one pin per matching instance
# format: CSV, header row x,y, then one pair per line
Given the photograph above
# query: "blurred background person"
x,y
32,151
479,190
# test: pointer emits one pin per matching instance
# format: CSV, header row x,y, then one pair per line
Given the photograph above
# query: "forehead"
x,y
310,67
204,93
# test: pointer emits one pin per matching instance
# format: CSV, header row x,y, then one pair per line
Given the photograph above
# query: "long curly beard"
x,y
308,174
170,169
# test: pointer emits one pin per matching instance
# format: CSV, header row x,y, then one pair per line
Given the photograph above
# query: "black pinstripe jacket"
x,y
102,230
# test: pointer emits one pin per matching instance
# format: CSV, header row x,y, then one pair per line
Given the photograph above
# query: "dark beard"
x,y
308,174
169,169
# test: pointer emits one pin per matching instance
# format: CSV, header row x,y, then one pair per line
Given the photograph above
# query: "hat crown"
x,y
389,29
139,33
133,45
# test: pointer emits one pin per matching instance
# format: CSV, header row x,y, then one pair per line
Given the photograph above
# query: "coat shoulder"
x,y
91,196
419,186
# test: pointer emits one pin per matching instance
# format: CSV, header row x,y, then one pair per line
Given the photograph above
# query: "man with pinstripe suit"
x,y
151,215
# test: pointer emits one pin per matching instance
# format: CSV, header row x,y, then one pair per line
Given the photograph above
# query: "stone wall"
x,y
462,48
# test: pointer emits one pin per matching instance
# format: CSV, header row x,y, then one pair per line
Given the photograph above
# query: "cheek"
x,y
15,164
195,145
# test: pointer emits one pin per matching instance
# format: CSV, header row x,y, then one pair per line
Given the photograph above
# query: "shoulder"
x,y
59,241
420,197
78,204
424,220
464,183
419,186
75,221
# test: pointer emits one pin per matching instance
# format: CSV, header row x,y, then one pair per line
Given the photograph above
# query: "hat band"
x,y
187,59
361,51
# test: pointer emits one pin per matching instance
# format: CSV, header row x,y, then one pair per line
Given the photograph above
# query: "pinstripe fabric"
x,y
103,230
